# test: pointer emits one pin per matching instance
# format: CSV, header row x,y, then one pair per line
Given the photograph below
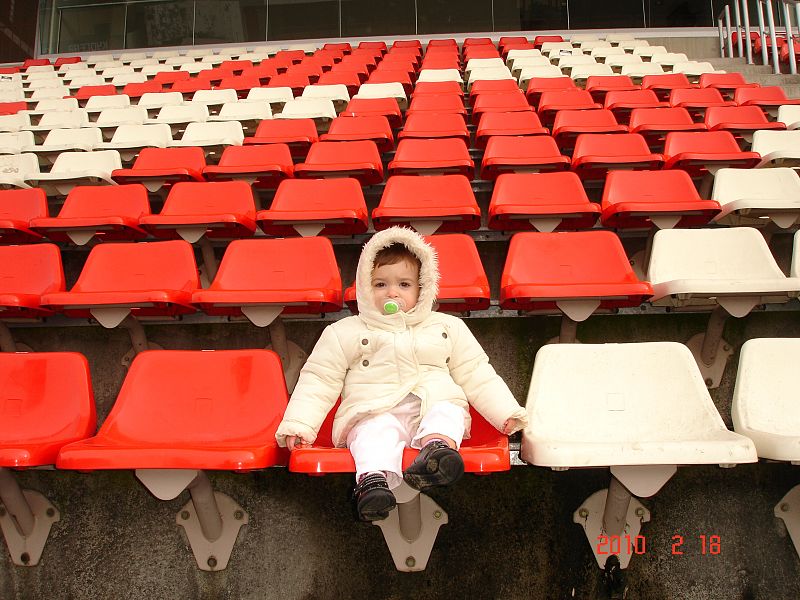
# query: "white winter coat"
x,y
375,360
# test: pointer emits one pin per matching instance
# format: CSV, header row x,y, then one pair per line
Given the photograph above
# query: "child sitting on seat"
x,y
405,375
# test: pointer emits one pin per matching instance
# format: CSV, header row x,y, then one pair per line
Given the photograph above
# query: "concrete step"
x,y
738,64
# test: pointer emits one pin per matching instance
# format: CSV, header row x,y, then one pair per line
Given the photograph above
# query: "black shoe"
x,y
373,498
437,464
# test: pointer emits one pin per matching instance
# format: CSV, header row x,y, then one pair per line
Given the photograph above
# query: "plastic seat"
x,y
726,83
14,143
16,169
550,102
15,122
644,409
756,197
368,107
74,119
663,85
435,126
597,154
17,209
77,168
275,96
85,92
654,123
537,85
309,207
28,272
507,124
732,267
320,110
180,411
263,166
569,124
647,199
145,279
694,69
109,119
697,100
437,103
669,59
701,153
432,157
499,103
247,114
212,137
542,202
599,85
742,121
638,71
763,407
179,116
221,210
337,94
97,104
381,91
463,286
567,62
588,271
129,140
621,103
298,134
159,167
443,204
211,99
97,213
264,278
618,62
359,160
777,148
155,101
486,86
531,154
373,128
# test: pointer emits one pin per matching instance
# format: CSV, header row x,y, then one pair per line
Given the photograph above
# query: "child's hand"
x,y
509,426
294,441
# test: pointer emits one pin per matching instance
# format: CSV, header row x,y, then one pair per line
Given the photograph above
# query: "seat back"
x,y
28,273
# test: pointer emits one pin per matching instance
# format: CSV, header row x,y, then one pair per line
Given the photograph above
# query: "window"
x,y
442,16
302,19
87,29
365,18
225,21
160,24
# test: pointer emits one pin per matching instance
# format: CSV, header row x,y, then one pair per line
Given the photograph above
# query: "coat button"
x,y
444,335
364,342
365,363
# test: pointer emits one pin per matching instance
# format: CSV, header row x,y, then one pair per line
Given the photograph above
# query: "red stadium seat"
x,y
550,102
372,107
599,85
463,285
35,62
507,124
499,103
597,154
541,39
768,98
622,103
241,83
159,167
443,203
647,199
390,76
434,125
726,83
437,103
432,157
350,79
436,88
12,108
296,81
359,160
219,210
351,129
298,134
262,278
26,274
663,85
136,90
490,86
531,154
655,123
309,207
741,121
17,209
569,124
145,279
167,78
541,201
66,60
703,152
105,213
585,271
538,85
263,166
697,100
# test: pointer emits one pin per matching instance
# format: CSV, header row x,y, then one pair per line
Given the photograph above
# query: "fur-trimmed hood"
x,y
428,279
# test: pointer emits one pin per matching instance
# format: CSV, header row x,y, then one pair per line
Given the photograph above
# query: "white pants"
x,y
377,442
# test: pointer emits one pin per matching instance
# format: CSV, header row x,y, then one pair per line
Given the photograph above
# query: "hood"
x,y
428,279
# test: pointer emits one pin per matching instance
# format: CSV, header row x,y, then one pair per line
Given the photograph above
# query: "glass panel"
x,y
443,16
91,28
160,24
224,21
365,18
301,19
678,13
590,14
526,15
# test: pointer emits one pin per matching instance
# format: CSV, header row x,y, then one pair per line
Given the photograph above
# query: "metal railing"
x,y
766,31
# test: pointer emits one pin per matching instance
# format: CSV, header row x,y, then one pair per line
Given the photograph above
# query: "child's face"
x,y
399,281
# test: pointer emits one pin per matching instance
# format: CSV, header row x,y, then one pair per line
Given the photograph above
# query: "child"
x,y
405,375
